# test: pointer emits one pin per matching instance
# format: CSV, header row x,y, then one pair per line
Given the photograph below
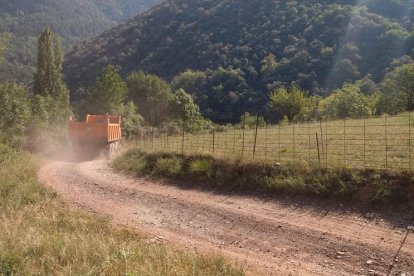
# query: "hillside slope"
x,y
315,44
73,20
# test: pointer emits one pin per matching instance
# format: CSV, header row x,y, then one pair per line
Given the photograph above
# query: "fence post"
x,y
244,128
386,142
345,160
279,149
217,145
166,139
162,138
365,162
190,142
152,138
143,136
322,147
293,143
409,138
203,142
326,144
234,140
183,140
214,141
319,152
255,137
309,144
265,138
225,141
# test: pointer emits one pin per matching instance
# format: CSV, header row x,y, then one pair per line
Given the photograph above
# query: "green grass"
x,y
41,235
169,167
376,143
367,186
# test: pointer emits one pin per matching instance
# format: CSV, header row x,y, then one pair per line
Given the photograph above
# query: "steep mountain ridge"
x,y
74,21
315,44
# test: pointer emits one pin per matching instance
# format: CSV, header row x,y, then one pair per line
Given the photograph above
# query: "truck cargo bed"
x,y
98,129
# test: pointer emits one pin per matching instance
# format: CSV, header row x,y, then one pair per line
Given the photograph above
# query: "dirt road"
x,y
269,237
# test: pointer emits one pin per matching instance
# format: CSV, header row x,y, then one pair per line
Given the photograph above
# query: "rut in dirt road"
x,y
267,237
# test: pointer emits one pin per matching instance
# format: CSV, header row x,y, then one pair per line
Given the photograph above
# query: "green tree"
x,y
131,119
151,95
48,81
390,101
345,102
343,71
288,102
269,63
248,120
185,111
15,110
404,78
193,82
107,95
397,91
310,111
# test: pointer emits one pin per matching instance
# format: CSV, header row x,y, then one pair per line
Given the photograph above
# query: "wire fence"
x,y
377,143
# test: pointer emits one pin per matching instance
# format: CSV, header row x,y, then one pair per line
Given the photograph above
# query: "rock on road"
x,y
268,237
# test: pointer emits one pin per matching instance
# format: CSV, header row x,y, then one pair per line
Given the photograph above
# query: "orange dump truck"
x,y
98,133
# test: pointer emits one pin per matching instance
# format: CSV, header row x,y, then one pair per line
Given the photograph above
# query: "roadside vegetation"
x,y
368,187
383,142
40,234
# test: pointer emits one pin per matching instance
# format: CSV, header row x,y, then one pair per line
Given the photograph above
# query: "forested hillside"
x,y
73,20
248,48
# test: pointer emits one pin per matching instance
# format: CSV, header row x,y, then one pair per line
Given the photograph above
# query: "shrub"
x,y
10,264
202,166
6,153
367,186
169,167
132,161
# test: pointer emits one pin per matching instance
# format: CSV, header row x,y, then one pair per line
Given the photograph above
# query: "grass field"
x,y
41,235
377,143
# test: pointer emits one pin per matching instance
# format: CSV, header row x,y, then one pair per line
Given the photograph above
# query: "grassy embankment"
x,y
367,186
40,234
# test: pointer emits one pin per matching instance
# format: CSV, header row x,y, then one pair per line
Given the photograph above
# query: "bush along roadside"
x,y
41,235
373,187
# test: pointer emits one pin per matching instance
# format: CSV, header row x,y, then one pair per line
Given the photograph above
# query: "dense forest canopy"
x,y
74,21
245,49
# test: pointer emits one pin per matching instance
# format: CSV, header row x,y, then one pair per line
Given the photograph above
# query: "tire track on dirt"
x,y
266,236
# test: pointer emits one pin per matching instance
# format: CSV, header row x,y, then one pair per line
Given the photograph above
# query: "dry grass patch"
x,y
40,234
373,187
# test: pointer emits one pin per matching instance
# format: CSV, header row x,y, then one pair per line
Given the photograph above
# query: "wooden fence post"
x,y
386,142
409,139
255,136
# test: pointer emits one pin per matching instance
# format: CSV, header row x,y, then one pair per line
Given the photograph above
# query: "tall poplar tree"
x,y
48,81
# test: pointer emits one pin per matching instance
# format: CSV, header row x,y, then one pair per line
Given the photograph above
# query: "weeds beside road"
x,y
40,234
373,187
